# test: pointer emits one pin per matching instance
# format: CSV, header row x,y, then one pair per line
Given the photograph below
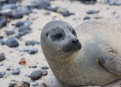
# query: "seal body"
x,y
93,60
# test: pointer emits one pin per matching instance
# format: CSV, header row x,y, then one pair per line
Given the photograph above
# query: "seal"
x,y
89,55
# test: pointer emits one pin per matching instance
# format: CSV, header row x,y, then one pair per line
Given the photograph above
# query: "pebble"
x,y
86,18
52,8
24,32
16,15
23,28
16,72
32,51
33,66
12,42
27,43
2,57
89,1
64,12
35,84
20,12
32,5
44,72
36,75
2,74
45,67
9,69
3,21
25,84
10,32
6,13
18,36
92,12
28,23
43,4
14,83
19,23
9,6
22,61
114,2
12,1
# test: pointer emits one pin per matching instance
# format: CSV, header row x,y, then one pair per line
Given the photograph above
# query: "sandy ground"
x,y
39,19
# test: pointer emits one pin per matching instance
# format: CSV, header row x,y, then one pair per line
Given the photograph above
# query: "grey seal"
x,y
89,55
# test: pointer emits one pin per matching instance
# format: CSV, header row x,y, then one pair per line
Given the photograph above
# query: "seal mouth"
x,y
71,47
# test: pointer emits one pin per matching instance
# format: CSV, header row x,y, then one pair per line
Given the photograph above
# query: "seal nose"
x,y
75,41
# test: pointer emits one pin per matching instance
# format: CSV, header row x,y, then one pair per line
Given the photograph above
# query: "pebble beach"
x,y
22,63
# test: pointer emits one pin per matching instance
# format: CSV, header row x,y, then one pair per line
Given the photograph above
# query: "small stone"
x,y
64,12
25,84
20,23
14,83
22,61
3,21
9,6
28,23
92,12
36,75
32,5
2,74
1,39
16,72
114,2
33,66
2,57
31,43
43,3
35,84
10,32
22,33
52,8
45,67
44,72
86,18
24,27
18,36
12,42
12,1
32,50
16,15
9,68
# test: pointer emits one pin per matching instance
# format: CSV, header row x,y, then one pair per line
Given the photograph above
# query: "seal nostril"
x,y
75,41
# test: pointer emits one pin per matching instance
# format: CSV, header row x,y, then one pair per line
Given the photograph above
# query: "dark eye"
x,y
58,35
73,32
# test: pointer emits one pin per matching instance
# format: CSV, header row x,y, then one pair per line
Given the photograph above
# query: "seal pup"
x,y
90,57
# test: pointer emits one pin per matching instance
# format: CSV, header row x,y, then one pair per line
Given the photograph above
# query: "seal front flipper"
x,y
109,59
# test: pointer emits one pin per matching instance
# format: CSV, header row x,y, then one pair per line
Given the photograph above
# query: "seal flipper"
x,y
109,60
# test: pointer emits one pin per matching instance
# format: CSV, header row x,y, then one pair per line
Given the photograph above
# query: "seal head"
x,y
60,38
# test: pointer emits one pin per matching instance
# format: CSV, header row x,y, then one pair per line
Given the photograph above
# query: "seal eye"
x,y
58,35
